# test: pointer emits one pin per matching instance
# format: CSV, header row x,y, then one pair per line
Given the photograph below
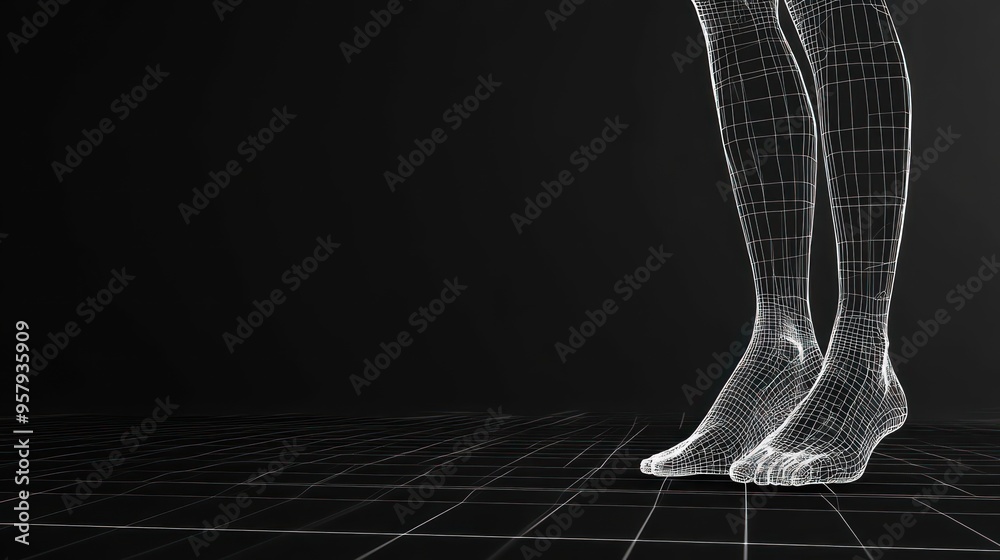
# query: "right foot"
x,y
830,436
779,368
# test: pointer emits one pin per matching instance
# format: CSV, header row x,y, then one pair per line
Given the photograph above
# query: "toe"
x,y
772,474
699,454
836,468
787,467
742,471
806,472
664,463
678,465
763,466
771,468
802,476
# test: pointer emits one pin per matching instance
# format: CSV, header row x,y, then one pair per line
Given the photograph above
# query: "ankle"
x,y
861,332
785,319
873,307
780,310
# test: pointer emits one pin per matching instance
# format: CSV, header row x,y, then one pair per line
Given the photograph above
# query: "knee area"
x,y
731,17
830,24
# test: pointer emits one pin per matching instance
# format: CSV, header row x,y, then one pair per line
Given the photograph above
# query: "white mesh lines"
x,y
787,415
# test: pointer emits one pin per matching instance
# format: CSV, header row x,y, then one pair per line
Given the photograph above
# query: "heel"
x,y
898,409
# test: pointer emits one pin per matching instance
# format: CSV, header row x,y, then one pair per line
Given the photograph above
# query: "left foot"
x,y
831,434
781,363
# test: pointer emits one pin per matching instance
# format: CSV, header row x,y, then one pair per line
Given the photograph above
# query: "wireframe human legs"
x,y
788,415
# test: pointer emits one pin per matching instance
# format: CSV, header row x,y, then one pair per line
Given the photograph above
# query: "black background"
x,y
322,176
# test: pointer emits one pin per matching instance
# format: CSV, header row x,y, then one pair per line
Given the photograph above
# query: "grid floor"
x,y
463,486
